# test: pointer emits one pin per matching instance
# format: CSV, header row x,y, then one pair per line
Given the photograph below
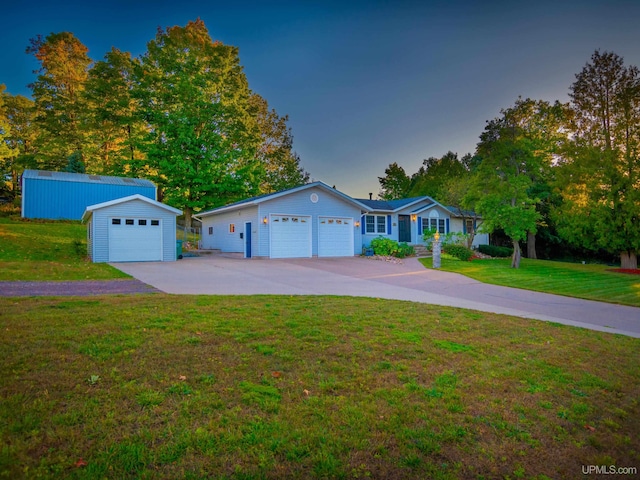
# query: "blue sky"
x,y
365,83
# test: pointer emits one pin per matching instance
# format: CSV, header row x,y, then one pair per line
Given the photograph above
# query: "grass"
x,y
591,281
161,386
38,250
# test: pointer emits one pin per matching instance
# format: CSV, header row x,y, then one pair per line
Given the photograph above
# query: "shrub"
x,y
494,251
459,251
390,248
451,238
404,250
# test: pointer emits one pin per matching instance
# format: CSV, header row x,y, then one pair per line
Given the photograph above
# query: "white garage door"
x,y
135,240
335,237
290,236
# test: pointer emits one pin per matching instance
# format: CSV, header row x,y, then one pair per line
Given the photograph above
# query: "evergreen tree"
x,y
599,177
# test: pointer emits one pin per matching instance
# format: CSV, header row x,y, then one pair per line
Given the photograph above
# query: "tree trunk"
x,y
531,245
629,260
515,260
187,217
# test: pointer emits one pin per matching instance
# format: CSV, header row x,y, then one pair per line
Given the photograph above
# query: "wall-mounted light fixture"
x,y
357,224
265,220
414,218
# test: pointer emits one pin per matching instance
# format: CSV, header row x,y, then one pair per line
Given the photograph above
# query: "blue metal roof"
x,y
62,195
86,178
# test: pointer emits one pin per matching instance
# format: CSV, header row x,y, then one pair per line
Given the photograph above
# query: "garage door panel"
x,y
135,243
335,237
290,236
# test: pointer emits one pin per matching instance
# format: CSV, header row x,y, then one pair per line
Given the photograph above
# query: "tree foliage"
x,y
516,151
599,176
20,135
202,140
434,174
113,123
281,164
181,114
57,92
6,152
395,184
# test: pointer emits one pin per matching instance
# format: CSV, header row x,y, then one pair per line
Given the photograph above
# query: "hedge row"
x,y
494,251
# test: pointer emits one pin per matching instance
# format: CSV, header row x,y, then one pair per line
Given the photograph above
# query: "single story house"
x,y
65,196
310,220
406,219
131,229
317,220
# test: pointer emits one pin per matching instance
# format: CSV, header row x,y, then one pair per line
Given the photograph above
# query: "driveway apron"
x,y
365,277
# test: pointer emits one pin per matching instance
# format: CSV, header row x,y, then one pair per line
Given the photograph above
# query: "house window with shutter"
x,y
376,224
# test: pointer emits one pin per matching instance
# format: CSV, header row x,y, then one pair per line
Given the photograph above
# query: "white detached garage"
x,y
131,229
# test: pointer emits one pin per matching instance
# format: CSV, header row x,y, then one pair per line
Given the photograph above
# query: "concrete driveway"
x,y
366,277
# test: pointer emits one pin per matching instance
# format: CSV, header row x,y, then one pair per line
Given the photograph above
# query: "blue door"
x,y
247,240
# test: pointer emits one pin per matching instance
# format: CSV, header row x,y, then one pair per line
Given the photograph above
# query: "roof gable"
x,y
394,205
272,196
92,208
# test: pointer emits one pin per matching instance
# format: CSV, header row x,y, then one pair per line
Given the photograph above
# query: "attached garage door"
x,y
135,240
335,237
290,236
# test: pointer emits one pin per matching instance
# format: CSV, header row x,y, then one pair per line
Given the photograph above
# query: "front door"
x,y
404,228
247,240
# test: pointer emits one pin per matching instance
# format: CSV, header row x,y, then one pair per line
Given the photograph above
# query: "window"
x,y
115,221
437,224
375,223
142,222
232,228
469,226
129,221
155,223
210,230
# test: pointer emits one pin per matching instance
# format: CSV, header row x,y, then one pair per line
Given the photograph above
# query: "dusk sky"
x,y
364,83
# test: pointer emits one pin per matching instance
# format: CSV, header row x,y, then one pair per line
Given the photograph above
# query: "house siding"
x,y
299,203
66,196
224,241
99,247
478,239
90,239
410,210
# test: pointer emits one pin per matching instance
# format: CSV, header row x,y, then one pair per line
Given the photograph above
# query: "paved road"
x,y
73,288
361,276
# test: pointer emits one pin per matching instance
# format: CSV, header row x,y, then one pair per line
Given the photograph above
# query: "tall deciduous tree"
x,y
22,137
433,175
57,91
6,152
395,183
600,173
282,168
516,151
202,140
113,124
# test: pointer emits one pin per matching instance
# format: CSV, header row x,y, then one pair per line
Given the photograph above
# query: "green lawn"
x,y
159,386
592,282
37,250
